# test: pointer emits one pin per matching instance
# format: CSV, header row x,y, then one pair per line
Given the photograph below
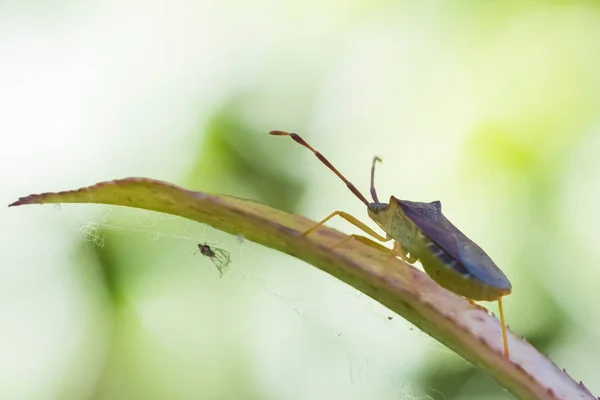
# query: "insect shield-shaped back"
x,y
451,258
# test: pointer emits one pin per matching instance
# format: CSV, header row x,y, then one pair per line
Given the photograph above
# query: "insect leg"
x,y
399,252
504,335
411,259
353,221
501,312
479,306
364,240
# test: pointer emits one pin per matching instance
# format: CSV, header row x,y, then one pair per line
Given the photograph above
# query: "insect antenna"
x,y
301,141
373,192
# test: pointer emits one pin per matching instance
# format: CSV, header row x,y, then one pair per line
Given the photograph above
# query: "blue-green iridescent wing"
x,y
436,227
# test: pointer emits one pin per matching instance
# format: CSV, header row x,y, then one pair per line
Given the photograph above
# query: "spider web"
x,y
363,369
152,225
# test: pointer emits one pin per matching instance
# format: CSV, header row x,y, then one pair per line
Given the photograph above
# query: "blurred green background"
x,y
490,107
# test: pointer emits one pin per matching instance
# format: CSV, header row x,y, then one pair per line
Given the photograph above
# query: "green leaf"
x,y
464,328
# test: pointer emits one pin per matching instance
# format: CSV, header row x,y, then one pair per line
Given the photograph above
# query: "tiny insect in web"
x,y
221,258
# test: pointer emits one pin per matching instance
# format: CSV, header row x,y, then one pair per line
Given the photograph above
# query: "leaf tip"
x,y
20,202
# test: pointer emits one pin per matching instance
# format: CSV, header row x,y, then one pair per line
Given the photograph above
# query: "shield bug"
x,y
221,258
421,232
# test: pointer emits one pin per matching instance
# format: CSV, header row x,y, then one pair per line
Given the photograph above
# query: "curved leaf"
x,y
466,329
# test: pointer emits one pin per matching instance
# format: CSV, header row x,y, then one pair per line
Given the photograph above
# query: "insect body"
x,y
447,255
421,232
221,258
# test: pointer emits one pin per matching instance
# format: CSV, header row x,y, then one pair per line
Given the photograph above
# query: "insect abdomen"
x,y
453,275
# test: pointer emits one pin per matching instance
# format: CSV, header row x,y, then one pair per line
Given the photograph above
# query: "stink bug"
x,y
421,232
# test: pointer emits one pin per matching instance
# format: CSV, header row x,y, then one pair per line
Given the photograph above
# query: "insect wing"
x,y
436,227
221,258
479,263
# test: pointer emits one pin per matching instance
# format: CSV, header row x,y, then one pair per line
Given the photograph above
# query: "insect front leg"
x,y
353,221
360,226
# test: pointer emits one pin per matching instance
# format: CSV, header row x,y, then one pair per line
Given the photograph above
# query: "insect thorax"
x,y
405,231
400,228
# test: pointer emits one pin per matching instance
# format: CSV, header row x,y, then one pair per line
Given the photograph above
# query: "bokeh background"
x,y
491,107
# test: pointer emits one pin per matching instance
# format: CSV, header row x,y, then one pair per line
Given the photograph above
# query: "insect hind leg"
x,y
504,335
502,324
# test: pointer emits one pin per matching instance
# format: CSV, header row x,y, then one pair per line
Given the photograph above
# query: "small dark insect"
x,y
221,258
